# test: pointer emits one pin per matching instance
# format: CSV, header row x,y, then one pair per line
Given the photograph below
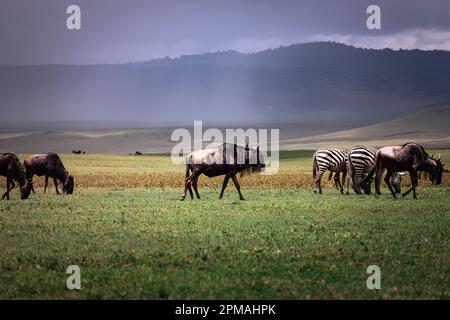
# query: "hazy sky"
x,y
113,31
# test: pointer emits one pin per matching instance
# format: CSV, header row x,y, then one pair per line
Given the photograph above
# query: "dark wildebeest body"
x,y
227,159
12,169
49,165
409,157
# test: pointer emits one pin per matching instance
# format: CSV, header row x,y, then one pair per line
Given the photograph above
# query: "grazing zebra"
x,y
360,161
334,160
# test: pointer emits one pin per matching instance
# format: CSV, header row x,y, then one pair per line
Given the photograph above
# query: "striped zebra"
x,y
334,160
360,161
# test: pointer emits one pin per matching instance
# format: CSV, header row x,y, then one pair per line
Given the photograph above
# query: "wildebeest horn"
x,y
439,157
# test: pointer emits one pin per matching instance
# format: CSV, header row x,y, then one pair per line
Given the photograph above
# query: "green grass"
x,y
281,243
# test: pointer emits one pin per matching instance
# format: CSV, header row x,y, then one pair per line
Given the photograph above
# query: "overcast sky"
x,y
117,31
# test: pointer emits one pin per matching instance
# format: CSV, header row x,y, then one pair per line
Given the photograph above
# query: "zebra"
x,y
331,159
360,161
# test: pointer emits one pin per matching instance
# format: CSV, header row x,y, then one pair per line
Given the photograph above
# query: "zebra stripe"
x,y
359,159
334,160
331,159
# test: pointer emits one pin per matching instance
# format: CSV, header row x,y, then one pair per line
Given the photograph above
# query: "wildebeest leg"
x,y
55,182
413,176
45,184
387,179
192,180
8,183
186,182
224,185
29,177
194,185
378,176
238,187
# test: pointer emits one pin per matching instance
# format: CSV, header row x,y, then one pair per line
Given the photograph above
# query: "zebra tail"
x,y
314,166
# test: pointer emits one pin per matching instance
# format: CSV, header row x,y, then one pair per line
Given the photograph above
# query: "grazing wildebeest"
x,y
12,169
49,165
334,160
410,157
228,159
359,163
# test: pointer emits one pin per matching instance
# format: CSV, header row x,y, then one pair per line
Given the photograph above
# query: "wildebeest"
x,y
334,160
359,163
228,159
410,157
49,165
12,169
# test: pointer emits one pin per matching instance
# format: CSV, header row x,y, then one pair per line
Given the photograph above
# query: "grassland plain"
x,y
132,237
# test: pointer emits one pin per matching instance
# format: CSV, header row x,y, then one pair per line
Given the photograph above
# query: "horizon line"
x,y
221,51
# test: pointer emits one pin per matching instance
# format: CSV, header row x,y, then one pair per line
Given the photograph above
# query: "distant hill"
x,y
429,127
301,83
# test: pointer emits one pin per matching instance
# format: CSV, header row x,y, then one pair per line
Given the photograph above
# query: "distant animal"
x,y
76,151
334,160
50,166
12,169
227,159
138,153
410,157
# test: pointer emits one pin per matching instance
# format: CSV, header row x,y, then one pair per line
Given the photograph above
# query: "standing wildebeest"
x,y
227,159
410,157
12,169
334,160
49,165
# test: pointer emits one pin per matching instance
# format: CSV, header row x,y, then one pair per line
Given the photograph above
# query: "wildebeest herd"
x,y
359,165
48,165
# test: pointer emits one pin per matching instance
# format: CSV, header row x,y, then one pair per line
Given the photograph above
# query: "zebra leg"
x,y
317,181
341,185
347,183
337,183
387,180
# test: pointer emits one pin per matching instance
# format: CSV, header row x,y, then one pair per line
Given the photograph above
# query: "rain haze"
x,y
222,61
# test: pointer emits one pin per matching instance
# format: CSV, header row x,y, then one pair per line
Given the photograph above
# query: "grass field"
x,y
132,237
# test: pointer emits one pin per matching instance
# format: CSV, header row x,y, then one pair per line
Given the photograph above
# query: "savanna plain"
x,y
133,239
